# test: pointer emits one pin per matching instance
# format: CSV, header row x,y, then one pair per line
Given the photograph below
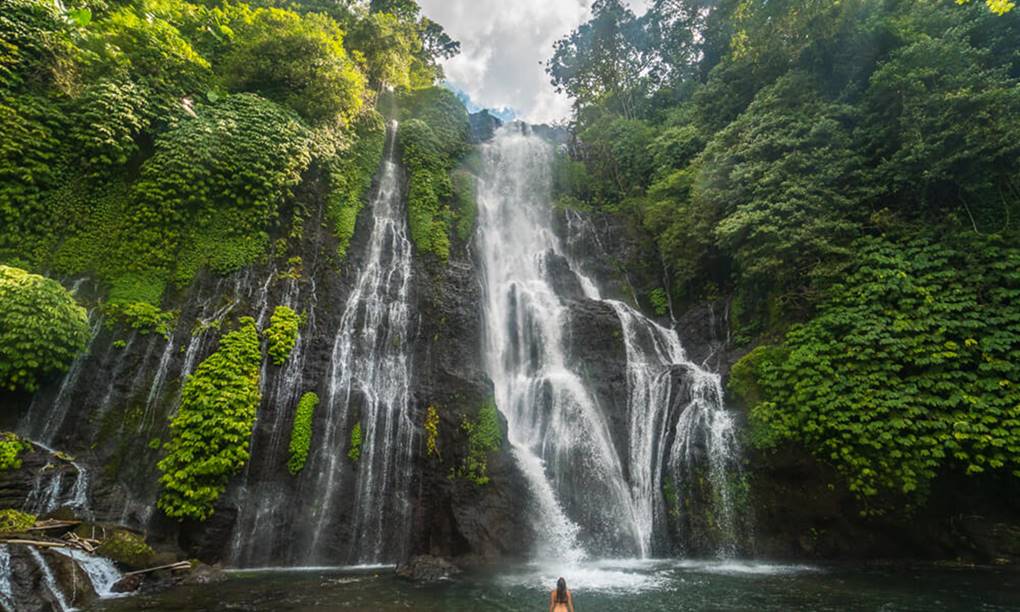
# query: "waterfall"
x,y
49,580
47,425
157,385
102,573
48,492
584,498
6,573
263,505
369,382
558,432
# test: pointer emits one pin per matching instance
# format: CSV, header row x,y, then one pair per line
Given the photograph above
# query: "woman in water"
x,y
561,600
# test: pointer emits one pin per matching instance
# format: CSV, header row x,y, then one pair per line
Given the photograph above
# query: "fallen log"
x,y
40,543
180,565
50,525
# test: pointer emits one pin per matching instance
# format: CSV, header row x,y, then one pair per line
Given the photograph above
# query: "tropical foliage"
x,y
213,426
846,174
282,333
301,431
148,140
484,435
42,328
11,447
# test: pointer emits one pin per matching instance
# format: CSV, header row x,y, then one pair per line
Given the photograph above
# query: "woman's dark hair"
x,y
561,591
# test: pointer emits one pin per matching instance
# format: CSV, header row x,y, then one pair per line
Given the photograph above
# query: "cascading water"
x,y
49,491
584,498
44,422
102,573
264,505
369,383
49,580
6,573
559,434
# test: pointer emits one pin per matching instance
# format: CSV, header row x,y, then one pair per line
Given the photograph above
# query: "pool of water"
x,y
626,585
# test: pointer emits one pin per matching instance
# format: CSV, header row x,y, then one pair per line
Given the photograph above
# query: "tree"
x,y
605,61
298,61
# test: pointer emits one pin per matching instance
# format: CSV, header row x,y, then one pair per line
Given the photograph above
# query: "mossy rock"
x,y
127,549
14,521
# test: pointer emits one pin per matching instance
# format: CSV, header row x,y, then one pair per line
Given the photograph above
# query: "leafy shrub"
x,y
910,365
484,436
660,301
140,42
11,447
13,521
42,328
212,428
301,432
432,140
111,115
354,449
142,316
465,191
282,333
213,186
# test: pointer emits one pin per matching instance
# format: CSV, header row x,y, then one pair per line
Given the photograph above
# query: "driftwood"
x,y
40,543
86,544
51,524
180,565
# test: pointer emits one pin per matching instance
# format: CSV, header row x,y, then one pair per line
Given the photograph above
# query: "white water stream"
x,y
369,381
585,502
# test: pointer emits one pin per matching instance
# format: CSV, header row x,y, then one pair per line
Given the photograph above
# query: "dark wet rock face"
x,y
456,516
45,581
427,568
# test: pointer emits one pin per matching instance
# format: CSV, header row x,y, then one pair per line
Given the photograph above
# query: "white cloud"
x,y
502,46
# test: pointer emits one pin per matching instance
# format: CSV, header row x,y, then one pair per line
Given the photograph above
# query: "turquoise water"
x,y
629,585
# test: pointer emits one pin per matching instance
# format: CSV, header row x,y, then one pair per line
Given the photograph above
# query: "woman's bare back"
x,y
559,606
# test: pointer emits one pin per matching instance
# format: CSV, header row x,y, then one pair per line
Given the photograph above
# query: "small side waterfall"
x,y
50,490
264,505
596,497
49,580
369,383
6,573
47,429
102,573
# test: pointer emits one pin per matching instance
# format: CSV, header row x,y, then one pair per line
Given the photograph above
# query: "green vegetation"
x,y
354,448
127,549
909,363
846,175
42,328
433,138
11,447
148,140
483,437
660,301
212,429
295,60
142,316
432,432
301,432
14,521
282,333
350,177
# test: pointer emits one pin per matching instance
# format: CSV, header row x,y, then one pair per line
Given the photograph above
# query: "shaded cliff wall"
x,y
112,412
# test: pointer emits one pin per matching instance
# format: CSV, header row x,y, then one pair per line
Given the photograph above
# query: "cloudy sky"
x,y
502,44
